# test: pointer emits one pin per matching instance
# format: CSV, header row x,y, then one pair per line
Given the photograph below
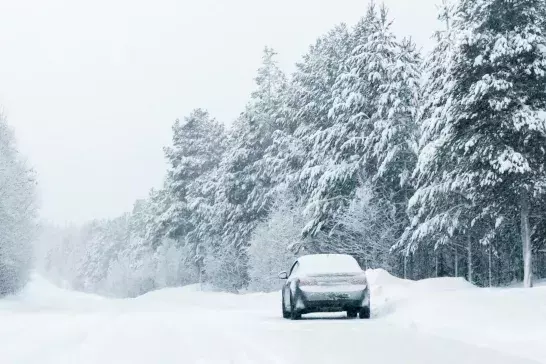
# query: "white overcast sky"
x,y
93,87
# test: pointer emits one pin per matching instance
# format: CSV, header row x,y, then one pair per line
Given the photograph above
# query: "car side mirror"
x,y
283,275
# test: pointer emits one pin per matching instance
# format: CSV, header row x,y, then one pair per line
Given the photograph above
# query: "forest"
x,y
424,164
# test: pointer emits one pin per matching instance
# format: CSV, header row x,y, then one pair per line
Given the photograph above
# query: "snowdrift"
x,y
192,296
509,320
40,294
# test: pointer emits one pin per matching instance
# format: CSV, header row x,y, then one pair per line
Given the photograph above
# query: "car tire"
x,y
365,312
352,313
285,313
294,313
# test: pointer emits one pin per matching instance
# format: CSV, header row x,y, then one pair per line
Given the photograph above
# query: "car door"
x,y
291,277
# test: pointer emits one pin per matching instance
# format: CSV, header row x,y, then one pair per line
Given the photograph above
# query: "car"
x,y
325,283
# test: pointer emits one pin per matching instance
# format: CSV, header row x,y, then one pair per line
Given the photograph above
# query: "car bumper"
x,y
332,299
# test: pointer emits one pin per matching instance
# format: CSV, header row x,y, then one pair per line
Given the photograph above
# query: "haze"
x,y
92,88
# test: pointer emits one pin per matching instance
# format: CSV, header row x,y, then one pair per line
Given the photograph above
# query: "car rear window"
x,y
328,264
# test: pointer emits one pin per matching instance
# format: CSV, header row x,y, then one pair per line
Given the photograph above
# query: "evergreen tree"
x,y
366,230
373,141
247,188
310,102
17,214
393,141
490,149
198,147
100,243
331,125
438,215
274,244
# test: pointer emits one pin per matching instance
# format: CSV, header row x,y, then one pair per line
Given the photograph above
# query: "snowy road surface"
x,y
48,325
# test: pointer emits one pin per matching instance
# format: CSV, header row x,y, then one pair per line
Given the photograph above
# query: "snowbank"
x,y
174,298
511,320
41,294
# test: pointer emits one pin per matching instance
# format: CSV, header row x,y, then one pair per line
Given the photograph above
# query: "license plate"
x,y
338,296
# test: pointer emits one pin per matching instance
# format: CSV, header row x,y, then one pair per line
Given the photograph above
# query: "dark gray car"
x,y
325,283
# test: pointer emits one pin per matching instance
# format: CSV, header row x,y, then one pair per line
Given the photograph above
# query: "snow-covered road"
x,y
48,325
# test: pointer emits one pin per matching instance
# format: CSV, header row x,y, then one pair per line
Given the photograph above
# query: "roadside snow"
x,y
511,320
40,294
430,321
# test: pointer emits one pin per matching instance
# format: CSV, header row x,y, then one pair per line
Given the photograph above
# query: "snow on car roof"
x,y
328,263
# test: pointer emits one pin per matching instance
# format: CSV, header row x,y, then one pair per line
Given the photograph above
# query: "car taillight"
x,y
361,279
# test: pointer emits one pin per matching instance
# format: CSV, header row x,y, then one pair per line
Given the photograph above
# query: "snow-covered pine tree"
x,y
393,141
17,214
309,102
131,273
373,138
438,216
392,145
197,148
100,242
246,187
367,230
274,244
499,73
436,78
491,148
116,257
333,139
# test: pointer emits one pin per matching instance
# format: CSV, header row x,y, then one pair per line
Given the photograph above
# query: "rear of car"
x,y
326,283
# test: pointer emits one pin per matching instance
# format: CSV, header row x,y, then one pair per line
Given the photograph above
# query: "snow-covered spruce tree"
x,y
393,141
274,244
491,146
198,146
141,266
155,225
120,257
59,253
100,243
17,214
334,141
131,272
500,73
367,230
392,145
437,79
171,266
246,191
291,159
309,99
372,141
439,216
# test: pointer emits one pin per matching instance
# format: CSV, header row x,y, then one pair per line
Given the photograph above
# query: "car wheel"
x,y
352,313
294,313
364,312
285,313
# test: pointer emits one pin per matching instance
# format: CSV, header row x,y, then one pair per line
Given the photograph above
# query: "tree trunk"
x,y
526,241
490,269
436,261
405,266
469,262
456,258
